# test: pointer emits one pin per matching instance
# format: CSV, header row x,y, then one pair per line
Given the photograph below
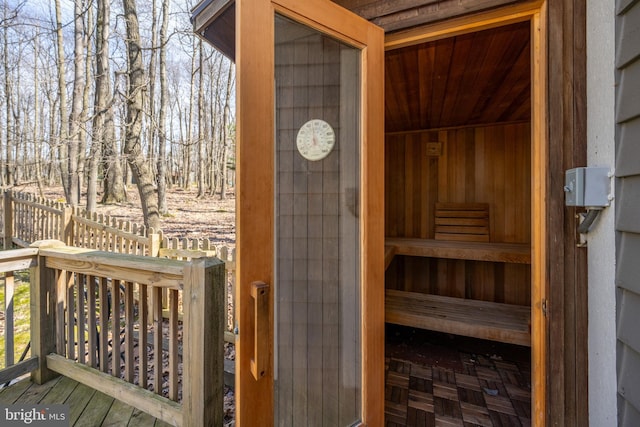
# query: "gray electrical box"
x,y
587,186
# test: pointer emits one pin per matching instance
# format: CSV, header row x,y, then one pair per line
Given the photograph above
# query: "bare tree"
x,y
73,184
225,135
102,92
63,153
133,129
202,155
151,90
7,175
37,143
84,116
164,104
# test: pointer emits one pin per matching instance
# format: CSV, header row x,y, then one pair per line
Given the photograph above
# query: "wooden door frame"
x,y
255,215
536,14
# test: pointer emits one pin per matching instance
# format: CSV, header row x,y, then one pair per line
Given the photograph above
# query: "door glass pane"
x,y
317,290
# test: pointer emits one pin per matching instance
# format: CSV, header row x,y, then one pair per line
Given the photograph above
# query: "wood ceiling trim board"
x,y
464,24
436,12
375,9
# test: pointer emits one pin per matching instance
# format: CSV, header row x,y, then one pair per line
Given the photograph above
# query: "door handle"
x,y
260,295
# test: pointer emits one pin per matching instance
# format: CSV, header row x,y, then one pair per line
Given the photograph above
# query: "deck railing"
x,y
28,218
96,318
12,262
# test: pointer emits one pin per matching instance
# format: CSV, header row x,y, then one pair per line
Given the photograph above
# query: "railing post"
x,y
8,220
203,355
154,243
66,226
43,309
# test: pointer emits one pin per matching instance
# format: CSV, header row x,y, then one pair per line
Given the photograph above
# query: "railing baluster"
x,y
143,305
9,288
80,321
92,315
99,241
115,327
71,338
173,344
121,240
129,357
157,339
127,241
61,307
103,342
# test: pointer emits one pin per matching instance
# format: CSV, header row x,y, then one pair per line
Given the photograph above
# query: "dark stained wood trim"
x,y
436,12
374,9
580,158
399,15
568,370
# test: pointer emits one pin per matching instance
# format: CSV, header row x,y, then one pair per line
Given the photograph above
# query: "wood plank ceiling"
x,y
471,79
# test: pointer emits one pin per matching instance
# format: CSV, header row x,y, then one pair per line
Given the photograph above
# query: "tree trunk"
x,y
8,90
101,101
187,147
164,105
113,176
214,94
88,66
202,158
132,145
37,141
63,152
152,129
225,135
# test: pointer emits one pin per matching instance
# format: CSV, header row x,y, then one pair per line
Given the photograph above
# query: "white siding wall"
x,y
601,240
627,137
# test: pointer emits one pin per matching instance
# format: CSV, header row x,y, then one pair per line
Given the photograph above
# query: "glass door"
x,y
317,363
310,216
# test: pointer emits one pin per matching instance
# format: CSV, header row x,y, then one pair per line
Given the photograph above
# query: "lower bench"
x,y
493,321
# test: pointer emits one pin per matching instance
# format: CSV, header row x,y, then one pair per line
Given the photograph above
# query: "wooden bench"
x,y
462,232
519,253
472,318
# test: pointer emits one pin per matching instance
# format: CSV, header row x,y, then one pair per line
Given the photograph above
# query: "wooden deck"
x,y
87,407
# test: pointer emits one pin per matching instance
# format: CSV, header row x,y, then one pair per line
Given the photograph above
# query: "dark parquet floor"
x,y
435,379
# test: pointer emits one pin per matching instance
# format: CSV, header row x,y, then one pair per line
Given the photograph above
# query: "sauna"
x,y
458,184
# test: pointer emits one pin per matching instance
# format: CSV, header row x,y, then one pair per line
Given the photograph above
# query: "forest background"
x,y
98,96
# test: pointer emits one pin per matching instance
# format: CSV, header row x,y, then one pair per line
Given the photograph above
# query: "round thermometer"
x,y
315,139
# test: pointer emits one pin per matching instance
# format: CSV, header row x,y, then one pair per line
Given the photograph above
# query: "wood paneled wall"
x,y
488,164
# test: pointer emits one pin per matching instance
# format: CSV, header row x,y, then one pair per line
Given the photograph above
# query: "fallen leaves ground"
x,y
188,216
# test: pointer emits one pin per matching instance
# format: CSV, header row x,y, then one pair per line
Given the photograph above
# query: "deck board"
x,y
60,392
141,419
78,401
119,414
12,393
87,407
36,392
95,411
